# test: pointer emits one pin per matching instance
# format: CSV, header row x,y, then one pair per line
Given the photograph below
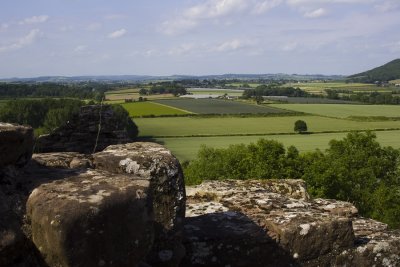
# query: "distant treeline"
x,y
47,114
164,88
356,169
370,98
82,91
274,90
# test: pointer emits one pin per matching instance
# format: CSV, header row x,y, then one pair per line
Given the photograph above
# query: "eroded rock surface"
x,y
92,219
65,209
16,144
154,163
294,229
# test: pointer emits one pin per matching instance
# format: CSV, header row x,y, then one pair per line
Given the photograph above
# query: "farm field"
x,y
186,148
135,96
343,111
195,126
137,109
216,106
214,91
307,100
321,86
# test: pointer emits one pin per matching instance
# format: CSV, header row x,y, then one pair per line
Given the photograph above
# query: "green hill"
x,y
389,71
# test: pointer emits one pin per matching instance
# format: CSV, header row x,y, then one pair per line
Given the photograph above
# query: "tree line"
x,y
82,91
355,169
164,88
370,98
44,114
274,90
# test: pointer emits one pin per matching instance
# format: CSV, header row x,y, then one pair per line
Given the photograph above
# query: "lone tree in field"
x,y
300,126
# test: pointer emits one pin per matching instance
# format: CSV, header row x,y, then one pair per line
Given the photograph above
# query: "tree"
x,y
300,126
142,91
359,170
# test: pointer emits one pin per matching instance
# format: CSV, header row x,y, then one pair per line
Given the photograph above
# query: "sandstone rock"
x,y
154,163
81,133
230,239
301,228
63,160
92,219
16,144
375,246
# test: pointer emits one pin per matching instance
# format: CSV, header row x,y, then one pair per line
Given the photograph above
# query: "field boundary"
x,y
267,134
173,107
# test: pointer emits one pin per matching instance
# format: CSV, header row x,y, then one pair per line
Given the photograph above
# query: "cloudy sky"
x,y
165,37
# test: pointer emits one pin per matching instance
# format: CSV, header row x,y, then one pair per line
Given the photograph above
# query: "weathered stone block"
x,y
155,163
92,219
16,144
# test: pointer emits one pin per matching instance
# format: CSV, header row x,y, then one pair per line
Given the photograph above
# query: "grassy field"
x,y
343,111
137,109
216,106
186,148
307,100
212,91
320,87
194,126
135,96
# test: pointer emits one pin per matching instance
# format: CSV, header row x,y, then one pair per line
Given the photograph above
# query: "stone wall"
x,y
81,132
125,206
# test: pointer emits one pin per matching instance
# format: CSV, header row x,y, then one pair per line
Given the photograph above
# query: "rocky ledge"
x,y
125,206
276,223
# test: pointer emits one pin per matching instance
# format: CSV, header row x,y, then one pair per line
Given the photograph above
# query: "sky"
x,y
196,37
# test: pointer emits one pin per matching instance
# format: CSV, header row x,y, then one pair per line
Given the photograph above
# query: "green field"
x,y
211,91
186,148
137,109
343,111
321,86
194,126
217,106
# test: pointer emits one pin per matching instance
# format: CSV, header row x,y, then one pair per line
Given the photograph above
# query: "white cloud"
x,y
115,16
231,45
34,20
215,9
290,46
210,10
316,13
182,49
172,27
313,2
93,26
22,42
389,5
4,26
80,48
117,34
264,6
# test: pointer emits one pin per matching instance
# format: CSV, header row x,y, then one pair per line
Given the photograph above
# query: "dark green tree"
x,y
300,126
359,170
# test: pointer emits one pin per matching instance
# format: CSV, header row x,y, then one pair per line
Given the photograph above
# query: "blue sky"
x,y
166,37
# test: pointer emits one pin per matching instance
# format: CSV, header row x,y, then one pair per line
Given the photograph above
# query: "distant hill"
x,y
147,78
389,71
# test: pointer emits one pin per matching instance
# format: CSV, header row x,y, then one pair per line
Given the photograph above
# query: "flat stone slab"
x,y
92,219
305,229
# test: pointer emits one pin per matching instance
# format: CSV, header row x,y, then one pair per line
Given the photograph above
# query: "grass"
x,y
212,126
343,111
135,96
187,148
216,106
137,109
211,91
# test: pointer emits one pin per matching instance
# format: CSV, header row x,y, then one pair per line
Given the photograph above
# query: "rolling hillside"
x,y
389,71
